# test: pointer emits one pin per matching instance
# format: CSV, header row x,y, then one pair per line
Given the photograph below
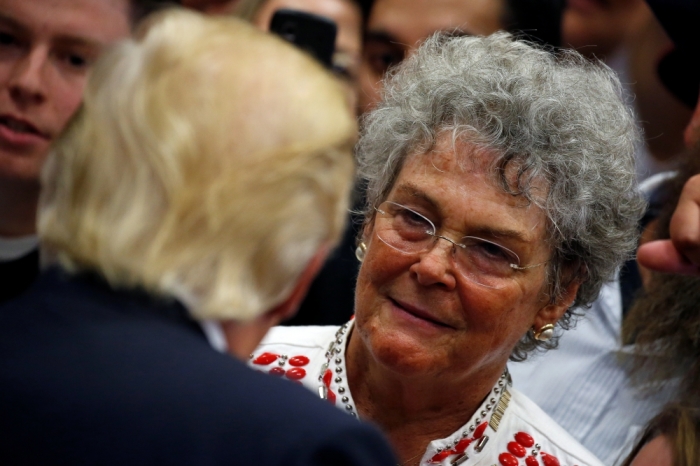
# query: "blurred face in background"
x,y
397,27
692,131
597,27
46,50
348,45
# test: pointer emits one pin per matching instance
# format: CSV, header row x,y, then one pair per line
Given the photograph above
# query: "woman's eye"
x,y
493,252
413,219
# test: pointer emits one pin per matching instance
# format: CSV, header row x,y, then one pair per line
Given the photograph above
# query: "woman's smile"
x,y
422,318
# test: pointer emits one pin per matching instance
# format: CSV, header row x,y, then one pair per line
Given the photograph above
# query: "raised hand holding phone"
x,y
313,33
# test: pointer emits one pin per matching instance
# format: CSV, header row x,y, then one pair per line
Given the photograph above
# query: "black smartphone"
x,y
313,33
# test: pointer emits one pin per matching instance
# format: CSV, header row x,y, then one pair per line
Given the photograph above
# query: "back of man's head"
x,y
209,159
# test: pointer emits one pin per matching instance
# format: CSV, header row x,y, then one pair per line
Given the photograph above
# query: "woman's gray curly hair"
x,y
549,117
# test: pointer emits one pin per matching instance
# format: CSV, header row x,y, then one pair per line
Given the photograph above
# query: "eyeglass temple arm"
x,y
525,267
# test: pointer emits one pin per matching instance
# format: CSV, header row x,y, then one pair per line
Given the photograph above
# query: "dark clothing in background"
x,y
331,297
630,279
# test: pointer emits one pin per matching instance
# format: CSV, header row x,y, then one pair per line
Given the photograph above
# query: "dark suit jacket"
x,y
89,375
17,275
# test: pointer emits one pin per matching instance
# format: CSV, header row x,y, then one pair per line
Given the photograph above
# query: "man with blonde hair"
x,y
187,207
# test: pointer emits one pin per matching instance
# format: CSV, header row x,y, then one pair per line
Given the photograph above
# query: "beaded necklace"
x,y
333,374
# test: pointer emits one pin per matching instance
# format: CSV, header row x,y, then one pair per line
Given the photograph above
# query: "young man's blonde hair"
x,y
208,160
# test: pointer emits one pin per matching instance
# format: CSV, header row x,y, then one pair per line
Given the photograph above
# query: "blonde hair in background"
x,y
207,157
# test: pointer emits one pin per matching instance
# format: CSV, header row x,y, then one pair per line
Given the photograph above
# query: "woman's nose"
x,y
435,266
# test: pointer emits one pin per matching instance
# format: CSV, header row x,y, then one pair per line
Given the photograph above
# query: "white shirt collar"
x,y
212,328
215,334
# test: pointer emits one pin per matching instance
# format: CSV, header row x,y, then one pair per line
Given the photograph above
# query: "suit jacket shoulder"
x,y
89,375
18,274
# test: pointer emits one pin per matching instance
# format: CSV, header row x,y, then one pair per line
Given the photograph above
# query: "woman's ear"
x,y
551,313
367,229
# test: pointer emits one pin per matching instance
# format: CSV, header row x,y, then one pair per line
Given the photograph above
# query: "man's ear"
x,y
243,337
551,313
287,308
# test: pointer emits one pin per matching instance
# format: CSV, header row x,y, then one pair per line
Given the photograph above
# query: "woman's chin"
x,y
404,353
407,365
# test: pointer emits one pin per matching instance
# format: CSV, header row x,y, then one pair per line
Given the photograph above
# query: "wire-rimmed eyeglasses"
x,y
481,261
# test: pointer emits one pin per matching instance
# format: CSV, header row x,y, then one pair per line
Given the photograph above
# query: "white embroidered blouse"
x,y
508,429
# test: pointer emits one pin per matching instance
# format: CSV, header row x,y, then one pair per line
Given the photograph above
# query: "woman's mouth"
x,y
419,314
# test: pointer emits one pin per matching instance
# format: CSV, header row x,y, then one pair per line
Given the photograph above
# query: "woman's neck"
x,y
412,411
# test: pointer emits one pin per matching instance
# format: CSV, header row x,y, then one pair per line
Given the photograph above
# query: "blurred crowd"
x,y
176,180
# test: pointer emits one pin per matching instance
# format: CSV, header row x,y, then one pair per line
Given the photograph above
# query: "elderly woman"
x,y
501,195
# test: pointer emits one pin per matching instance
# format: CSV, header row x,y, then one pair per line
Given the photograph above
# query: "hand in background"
x,y
680,254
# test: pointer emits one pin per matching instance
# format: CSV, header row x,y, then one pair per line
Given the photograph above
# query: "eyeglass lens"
x,y
481,261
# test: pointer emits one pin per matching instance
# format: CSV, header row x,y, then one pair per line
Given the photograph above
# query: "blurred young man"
x,y
46,50
397,27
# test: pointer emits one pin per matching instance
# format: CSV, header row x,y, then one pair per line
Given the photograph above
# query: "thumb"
x,y
662,256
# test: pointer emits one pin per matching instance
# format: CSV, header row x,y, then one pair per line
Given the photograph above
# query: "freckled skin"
x,y
480,325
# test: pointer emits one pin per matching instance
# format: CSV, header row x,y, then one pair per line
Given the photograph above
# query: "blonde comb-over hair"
x,y
207,157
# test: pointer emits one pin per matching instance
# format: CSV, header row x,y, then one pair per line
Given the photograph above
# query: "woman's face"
x,y
416,313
